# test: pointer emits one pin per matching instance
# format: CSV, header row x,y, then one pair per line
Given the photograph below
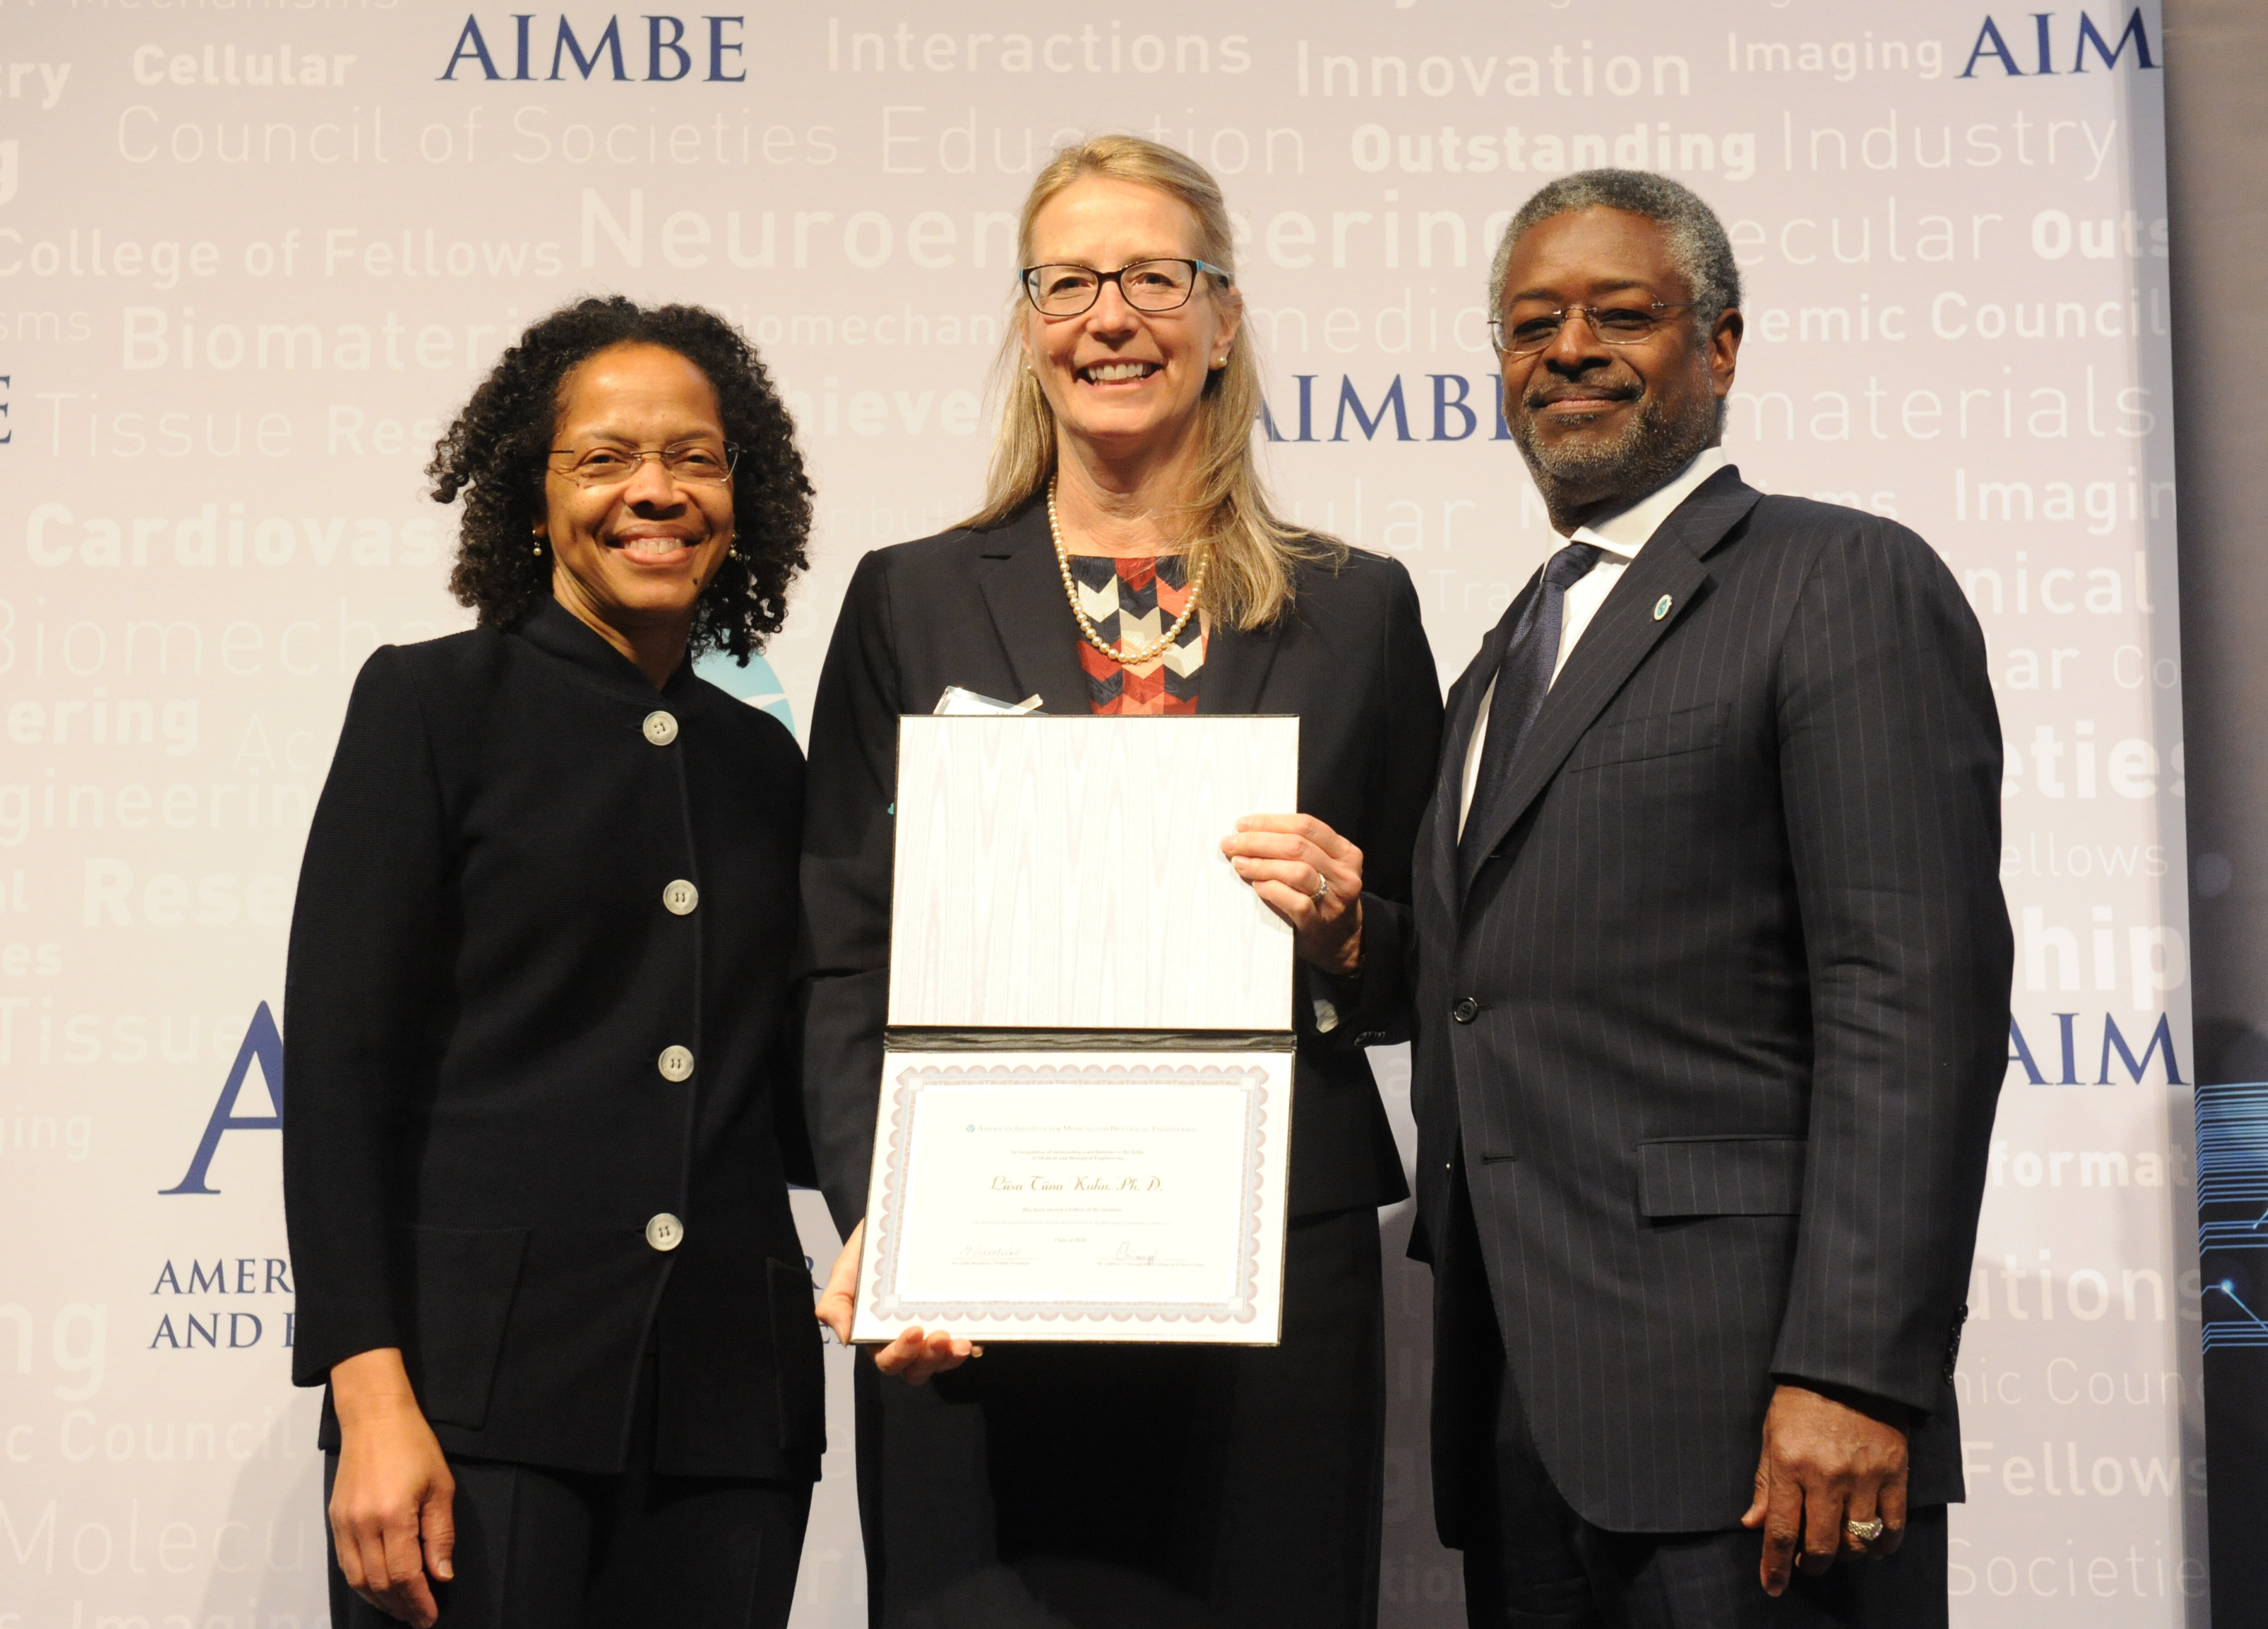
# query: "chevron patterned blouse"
x,y
1131,599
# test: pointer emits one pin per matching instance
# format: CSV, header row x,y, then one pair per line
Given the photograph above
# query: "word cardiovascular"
x,y
55,535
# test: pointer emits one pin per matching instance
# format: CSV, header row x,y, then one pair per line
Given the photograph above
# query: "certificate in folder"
x,y
1086,1087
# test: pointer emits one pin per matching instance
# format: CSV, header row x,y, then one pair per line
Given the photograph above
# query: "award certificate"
x,y
1077,1194
1085,1100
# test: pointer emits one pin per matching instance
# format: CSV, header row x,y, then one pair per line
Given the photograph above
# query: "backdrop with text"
x,y
253,255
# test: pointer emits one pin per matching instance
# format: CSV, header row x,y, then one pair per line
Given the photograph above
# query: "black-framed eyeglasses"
x,y
1615,325
691,463
1148,285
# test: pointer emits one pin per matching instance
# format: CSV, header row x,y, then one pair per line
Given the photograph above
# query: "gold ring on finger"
x,y
1866,1532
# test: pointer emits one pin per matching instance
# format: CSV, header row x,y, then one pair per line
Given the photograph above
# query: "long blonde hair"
x,y
1247,552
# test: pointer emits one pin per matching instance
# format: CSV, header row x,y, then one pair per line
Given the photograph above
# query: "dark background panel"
x,y
2217,163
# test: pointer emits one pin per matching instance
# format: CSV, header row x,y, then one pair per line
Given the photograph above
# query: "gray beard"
x,y
1648,451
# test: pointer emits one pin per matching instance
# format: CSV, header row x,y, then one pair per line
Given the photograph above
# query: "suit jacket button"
x,y
675,1063
664,1232
680,898
1466,1010
660,727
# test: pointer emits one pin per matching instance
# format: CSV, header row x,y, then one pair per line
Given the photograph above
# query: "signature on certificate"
x,y
1128,1256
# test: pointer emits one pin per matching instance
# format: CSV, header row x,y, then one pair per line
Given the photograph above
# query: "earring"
x,y
538,550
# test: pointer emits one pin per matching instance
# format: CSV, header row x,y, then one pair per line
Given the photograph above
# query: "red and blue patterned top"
x,y
1131,599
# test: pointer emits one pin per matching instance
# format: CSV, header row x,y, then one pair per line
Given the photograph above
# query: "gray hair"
x,y
1698,245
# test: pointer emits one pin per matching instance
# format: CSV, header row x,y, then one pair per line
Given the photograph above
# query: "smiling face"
x,y
631,559
1602,425
1125,382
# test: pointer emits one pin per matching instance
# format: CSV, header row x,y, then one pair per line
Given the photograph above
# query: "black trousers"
x,y
540,1549
1158,1486
1537,1564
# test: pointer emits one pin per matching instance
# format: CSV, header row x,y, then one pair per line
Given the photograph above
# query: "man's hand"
x,y
393,1504
1825,1463
914,1355
1284,856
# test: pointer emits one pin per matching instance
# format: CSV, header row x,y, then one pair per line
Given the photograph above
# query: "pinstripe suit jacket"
x,y
1712,1041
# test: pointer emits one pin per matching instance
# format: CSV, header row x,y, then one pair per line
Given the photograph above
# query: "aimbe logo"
x,y
1992,46
2065,1049
263,1045
669,57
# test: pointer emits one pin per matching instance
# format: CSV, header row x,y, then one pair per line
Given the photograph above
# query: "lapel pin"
x,y
1662,608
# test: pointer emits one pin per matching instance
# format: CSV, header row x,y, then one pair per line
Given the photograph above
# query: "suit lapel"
x,y
1023,589
1620,637
1236,664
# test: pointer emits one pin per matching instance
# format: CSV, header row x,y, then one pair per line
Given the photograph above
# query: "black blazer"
x,y
985,610
483,977
1716,1034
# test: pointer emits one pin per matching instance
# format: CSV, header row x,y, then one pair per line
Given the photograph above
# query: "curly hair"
x,y
496,452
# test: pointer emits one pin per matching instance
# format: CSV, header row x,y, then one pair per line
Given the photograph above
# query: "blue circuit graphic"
x,y
2232,1131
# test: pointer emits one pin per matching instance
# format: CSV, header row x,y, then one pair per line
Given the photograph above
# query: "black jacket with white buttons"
x,y
531,880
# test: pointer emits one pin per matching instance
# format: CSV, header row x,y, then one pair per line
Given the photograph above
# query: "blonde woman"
x,y
1127,560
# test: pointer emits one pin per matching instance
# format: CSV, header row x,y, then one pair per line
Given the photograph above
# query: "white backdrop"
x,y
252,255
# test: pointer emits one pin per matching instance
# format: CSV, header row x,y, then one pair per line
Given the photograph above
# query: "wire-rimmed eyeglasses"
x,y
1152,286
689,463
1615,325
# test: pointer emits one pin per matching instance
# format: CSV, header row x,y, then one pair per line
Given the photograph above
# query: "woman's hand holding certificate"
x,y
916,1355
1310,876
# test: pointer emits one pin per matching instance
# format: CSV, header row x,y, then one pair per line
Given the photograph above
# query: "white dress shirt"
x,y
1618,537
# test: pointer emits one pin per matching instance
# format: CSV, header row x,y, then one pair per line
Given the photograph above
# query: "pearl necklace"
x,y
1085,623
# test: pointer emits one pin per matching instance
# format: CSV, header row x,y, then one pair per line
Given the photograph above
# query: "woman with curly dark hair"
x,y
544,1101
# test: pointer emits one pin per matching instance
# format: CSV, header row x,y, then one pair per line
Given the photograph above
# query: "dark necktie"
x,y
1521,680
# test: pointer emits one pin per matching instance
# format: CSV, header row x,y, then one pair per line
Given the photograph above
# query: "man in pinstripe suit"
x,y
1713,992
